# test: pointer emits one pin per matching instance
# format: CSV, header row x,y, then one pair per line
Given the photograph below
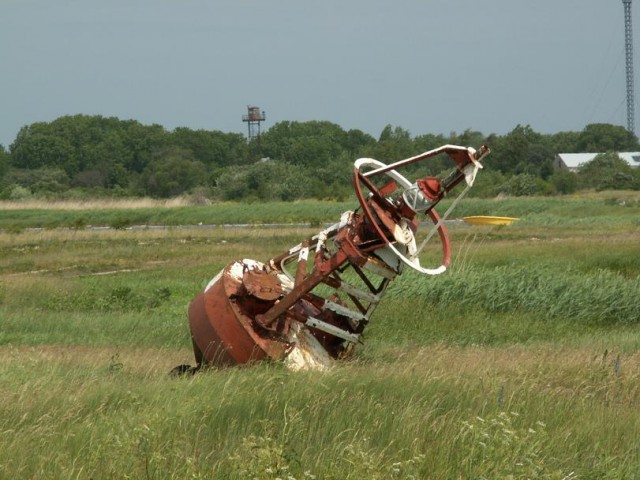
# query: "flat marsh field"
x,y
521,362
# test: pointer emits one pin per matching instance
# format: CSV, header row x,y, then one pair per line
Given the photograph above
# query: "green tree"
x,y
564,181
395,143
428,141
564,142
309,144
107,147
468,138
603,137
522,184
607,171
172,171
213,148
488,183
140,141
358,142
333,180
39,180
36,149
4,162
264,181
522,151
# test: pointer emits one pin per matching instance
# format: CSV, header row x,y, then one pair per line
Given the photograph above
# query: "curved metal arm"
x,y
360,178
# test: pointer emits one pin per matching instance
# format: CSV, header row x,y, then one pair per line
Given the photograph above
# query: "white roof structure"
x,y
632,158
572,161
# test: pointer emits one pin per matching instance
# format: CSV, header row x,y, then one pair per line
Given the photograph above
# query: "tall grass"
x,y
602,297
522,362
612,208
217,214
94,204
437,412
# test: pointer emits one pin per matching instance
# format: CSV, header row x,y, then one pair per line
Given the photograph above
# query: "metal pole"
x,y
628,47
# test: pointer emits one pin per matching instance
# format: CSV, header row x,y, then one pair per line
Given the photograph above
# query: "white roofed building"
x,y
572,161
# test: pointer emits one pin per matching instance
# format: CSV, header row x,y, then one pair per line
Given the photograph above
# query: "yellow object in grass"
x,y
488,220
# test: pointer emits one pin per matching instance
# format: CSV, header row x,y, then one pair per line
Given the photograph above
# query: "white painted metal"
x,y
358,293
404,183
332,330
307,353
335,307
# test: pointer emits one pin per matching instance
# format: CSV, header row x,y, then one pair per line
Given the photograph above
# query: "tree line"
x,y
83,156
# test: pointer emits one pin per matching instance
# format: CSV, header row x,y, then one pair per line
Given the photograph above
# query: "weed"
x,y
499,446
79,223
115,365
159,296
261,458
121,223
315,222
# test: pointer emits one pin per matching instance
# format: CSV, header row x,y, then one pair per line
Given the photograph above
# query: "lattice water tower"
x,y
253,118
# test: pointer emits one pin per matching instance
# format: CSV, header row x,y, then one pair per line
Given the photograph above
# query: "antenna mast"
x,y
628,48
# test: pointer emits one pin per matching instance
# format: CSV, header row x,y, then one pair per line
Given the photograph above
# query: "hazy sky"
x,y
430,66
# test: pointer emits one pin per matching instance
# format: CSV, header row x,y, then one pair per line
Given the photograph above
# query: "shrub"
x,y
521,185
564,181
16,192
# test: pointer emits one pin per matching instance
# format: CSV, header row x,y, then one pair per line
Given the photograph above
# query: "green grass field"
x,y
521,362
